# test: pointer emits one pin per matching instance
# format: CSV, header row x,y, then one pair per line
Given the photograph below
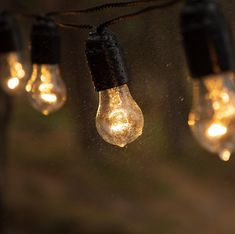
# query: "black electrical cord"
x,y
120,18
101,7
75,26
93,9
137,13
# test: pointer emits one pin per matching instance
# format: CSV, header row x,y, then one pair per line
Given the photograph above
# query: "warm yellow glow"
x,y
191,122
48,97
222,102
225,155
227,111
216,130
13,83
216,105
29,84
21,73
28,87
119,120
225,97
119,127
212,118
191,119
12,73
45,87
19,70
44,77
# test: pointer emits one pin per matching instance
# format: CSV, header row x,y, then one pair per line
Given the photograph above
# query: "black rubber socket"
x,y
9,34
105,60
207,38
45,42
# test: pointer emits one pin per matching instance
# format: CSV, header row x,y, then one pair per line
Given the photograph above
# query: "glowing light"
x,y
13,83
216,105
28,87
119,120
119,127
44,78
225,97
21,73
49,97
226,112
216,130
191,122
191,119
225,155
45,87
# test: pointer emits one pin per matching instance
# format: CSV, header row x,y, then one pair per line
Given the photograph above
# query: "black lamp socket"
x,y
105,60
45,42
207,38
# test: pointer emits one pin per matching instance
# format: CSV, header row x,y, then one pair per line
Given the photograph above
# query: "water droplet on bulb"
x,y
225,155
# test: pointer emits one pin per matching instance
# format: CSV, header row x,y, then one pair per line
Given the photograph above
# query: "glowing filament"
x,y
19,70
119,121
119,127
191,122
225,155
13,83
216,130
49,98
45,87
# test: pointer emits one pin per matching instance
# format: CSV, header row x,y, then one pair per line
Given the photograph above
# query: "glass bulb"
x,y
12,73
212,118
46,89
119,120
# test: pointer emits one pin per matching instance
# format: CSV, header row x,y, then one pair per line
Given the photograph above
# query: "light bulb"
x,y
209,52
46,89
12,73
119,120
47,92
212,118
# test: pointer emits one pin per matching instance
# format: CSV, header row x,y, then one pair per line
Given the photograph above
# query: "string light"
x,y
12,73
119,120
46,89
210,56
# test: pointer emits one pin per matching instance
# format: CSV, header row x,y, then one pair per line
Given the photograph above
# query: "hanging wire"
x,y
101,7
75,26
93,9
120,18
137,13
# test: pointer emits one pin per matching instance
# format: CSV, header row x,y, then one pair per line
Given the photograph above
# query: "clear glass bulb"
x,y
46,89
12,73
119,120
212,118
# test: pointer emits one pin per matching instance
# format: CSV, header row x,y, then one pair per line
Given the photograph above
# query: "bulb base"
x,y
45,42
9,34
105,60
207,38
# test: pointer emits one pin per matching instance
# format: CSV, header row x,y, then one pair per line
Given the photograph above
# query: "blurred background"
x,y
59,177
